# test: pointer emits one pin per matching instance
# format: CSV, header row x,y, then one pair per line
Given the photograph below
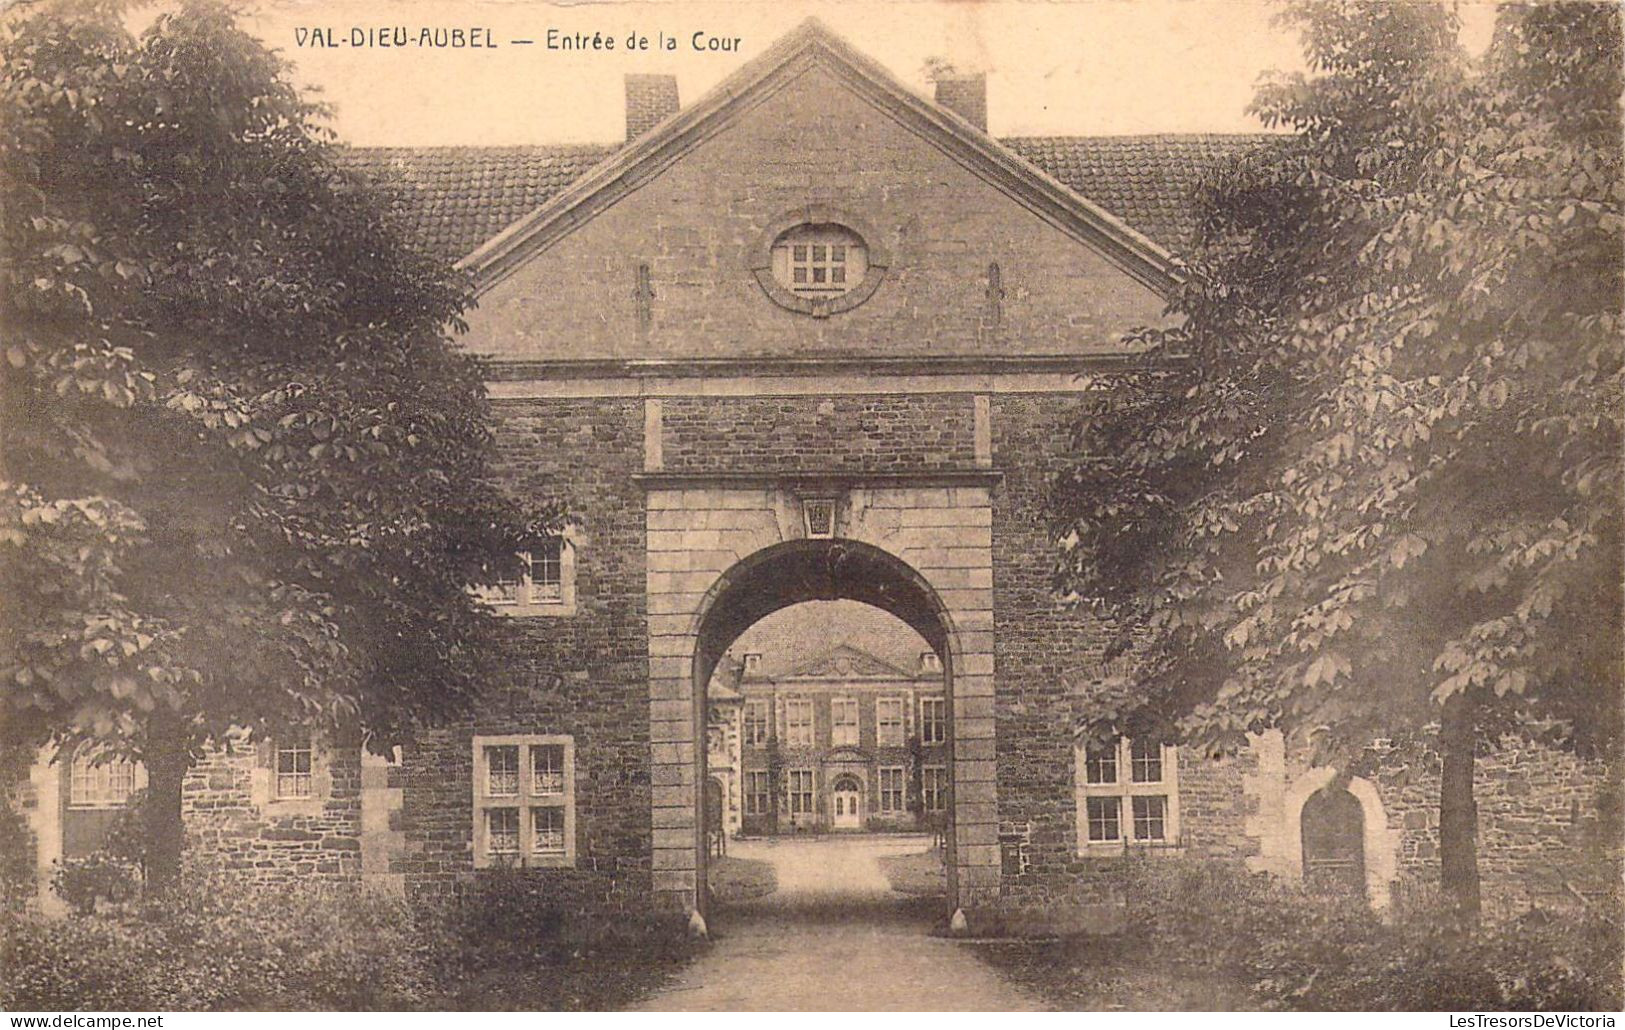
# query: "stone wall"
x,y
582,674
845,433
1216,801
1041,647
233,820
20,825
1548,826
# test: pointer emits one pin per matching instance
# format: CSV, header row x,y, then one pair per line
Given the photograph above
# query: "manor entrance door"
x,y
848,805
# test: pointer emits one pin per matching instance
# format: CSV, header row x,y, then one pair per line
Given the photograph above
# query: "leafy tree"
x,y
1374,490
245,475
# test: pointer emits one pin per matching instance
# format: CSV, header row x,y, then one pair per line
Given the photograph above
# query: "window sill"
x,y
535,610
1116,848
286,807
511,863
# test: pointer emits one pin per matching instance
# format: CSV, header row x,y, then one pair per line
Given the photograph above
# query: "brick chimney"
x,y
964,95
650,100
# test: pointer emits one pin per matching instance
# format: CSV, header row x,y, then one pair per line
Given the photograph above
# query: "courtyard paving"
x,y
834,936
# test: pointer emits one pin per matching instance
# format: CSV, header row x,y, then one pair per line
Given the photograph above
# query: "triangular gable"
x,y
812,42
844,661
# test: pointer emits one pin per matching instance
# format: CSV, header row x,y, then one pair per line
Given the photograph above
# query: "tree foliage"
x,y
1380,467
246,473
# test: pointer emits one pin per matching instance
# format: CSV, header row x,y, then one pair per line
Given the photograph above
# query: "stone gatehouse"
x,y
810,337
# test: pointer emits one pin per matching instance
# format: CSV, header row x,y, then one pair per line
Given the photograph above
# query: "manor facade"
x,y
813,336
842,742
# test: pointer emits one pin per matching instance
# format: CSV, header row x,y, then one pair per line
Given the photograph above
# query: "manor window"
x,y
1150,817
547,768
758,793
933,720
822,260
524,800
889,722
502,831
1100,765
892,792
798,723
502,771
1127,794
293,770
756,723
934,788
101,784
800,783
549,830
542,581
843,720
1145,762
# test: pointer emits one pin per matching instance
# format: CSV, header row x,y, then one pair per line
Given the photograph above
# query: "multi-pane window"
x,y
502,770
820,260
548,822
1105,819
757,712
758,793
293,768
1100,763
547,769
537,579
933,720
934,788
1150,817
1145,761
843,721
800,791
524,800
889,721
502,831
892,790
104,784
546,570
798,723
1128,793
818,267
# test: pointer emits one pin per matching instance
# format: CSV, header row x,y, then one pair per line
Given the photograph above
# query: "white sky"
x,y
1079,67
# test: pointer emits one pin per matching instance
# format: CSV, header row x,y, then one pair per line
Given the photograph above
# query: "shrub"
x,y
114,874
1299,951
86,884
16,858
222,943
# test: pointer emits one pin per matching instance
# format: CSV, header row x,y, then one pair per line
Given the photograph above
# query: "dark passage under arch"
x,y
798,571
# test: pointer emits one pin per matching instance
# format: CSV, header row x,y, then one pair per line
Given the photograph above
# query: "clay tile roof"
x,y
1147,181
456,198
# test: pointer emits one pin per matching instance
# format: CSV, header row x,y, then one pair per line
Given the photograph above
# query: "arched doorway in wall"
x,y
831,792
1332,827
846,803
716,827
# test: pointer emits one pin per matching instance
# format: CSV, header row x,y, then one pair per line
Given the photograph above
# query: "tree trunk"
x,y
1458,812
167,759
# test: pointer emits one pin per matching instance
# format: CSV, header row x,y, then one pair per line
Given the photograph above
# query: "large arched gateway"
x,y
798,570
921,551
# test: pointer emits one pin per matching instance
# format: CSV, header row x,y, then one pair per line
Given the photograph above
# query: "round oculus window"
x,y
823,260
816,262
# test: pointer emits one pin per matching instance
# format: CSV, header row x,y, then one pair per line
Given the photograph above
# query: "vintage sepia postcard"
x,y
809,506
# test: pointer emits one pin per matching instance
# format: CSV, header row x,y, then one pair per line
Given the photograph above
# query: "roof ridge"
x,y
1104,137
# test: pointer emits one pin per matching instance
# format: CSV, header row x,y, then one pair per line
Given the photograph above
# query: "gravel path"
x,y
834,937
